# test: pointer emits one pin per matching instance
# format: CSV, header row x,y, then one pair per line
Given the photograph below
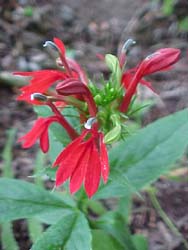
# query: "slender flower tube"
x,y
160,60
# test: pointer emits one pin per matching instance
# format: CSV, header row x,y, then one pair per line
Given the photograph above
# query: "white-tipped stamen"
x,y
89,123
51,45
39,97
127,44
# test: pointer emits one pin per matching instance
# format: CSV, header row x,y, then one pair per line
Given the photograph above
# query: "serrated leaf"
x,y
142,158
71,233
20,199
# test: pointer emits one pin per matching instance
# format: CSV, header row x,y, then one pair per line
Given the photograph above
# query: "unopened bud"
x,y
98,99
113,135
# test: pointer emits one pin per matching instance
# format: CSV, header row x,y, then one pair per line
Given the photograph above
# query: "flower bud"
x,y
113,135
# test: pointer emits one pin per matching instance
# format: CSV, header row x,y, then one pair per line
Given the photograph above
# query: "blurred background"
x,y
89,28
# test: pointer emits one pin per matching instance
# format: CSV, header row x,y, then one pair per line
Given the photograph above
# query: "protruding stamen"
x,y
89,123
127,44
39,97
51,45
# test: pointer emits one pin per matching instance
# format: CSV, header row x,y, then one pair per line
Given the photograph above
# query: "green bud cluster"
x,y
107,98
106,95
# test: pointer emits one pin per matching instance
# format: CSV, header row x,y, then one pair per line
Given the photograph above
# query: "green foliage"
x,y
183,24
71,233
20,199
7,154
34,226
142,158
103,241
115,225
28,11
140,242
7,236
167,7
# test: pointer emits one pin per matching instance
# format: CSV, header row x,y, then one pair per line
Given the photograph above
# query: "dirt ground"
x,y
87,28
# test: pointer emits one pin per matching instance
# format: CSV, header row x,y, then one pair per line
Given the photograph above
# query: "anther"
x,y
89,123
51,45
39,97
127,44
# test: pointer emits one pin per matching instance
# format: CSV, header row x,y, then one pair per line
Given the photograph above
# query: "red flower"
x,y
39,131
42,80
160,60
84,160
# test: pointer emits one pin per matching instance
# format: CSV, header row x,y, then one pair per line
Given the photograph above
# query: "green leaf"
x,y
114,224
71,233
140,242
52,217
20,199
7,237
103,241
7,154
142,158
35,229
167,7
183,24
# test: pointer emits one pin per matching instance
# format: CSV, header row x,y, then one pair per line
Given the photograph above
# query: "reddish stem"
x,y
70,130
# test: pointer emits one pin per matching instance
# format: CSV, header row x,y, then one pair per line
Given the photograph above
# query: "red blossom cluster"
x,y
85,159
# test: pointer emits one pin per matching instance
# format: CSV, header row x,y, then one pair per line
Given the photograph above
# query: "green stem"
x,y
165,217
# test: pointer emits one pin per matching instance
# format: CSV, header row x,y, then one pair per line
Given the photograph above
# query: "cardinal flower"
x,y
40,130
42,80
161,60
84,160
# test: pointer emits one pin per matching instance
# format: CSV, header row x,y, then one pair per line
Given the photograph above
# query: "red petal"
x,y
60,45
76,67
31,137
68,149
69,163
80,170
44,141
92,178
104,159
36,132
